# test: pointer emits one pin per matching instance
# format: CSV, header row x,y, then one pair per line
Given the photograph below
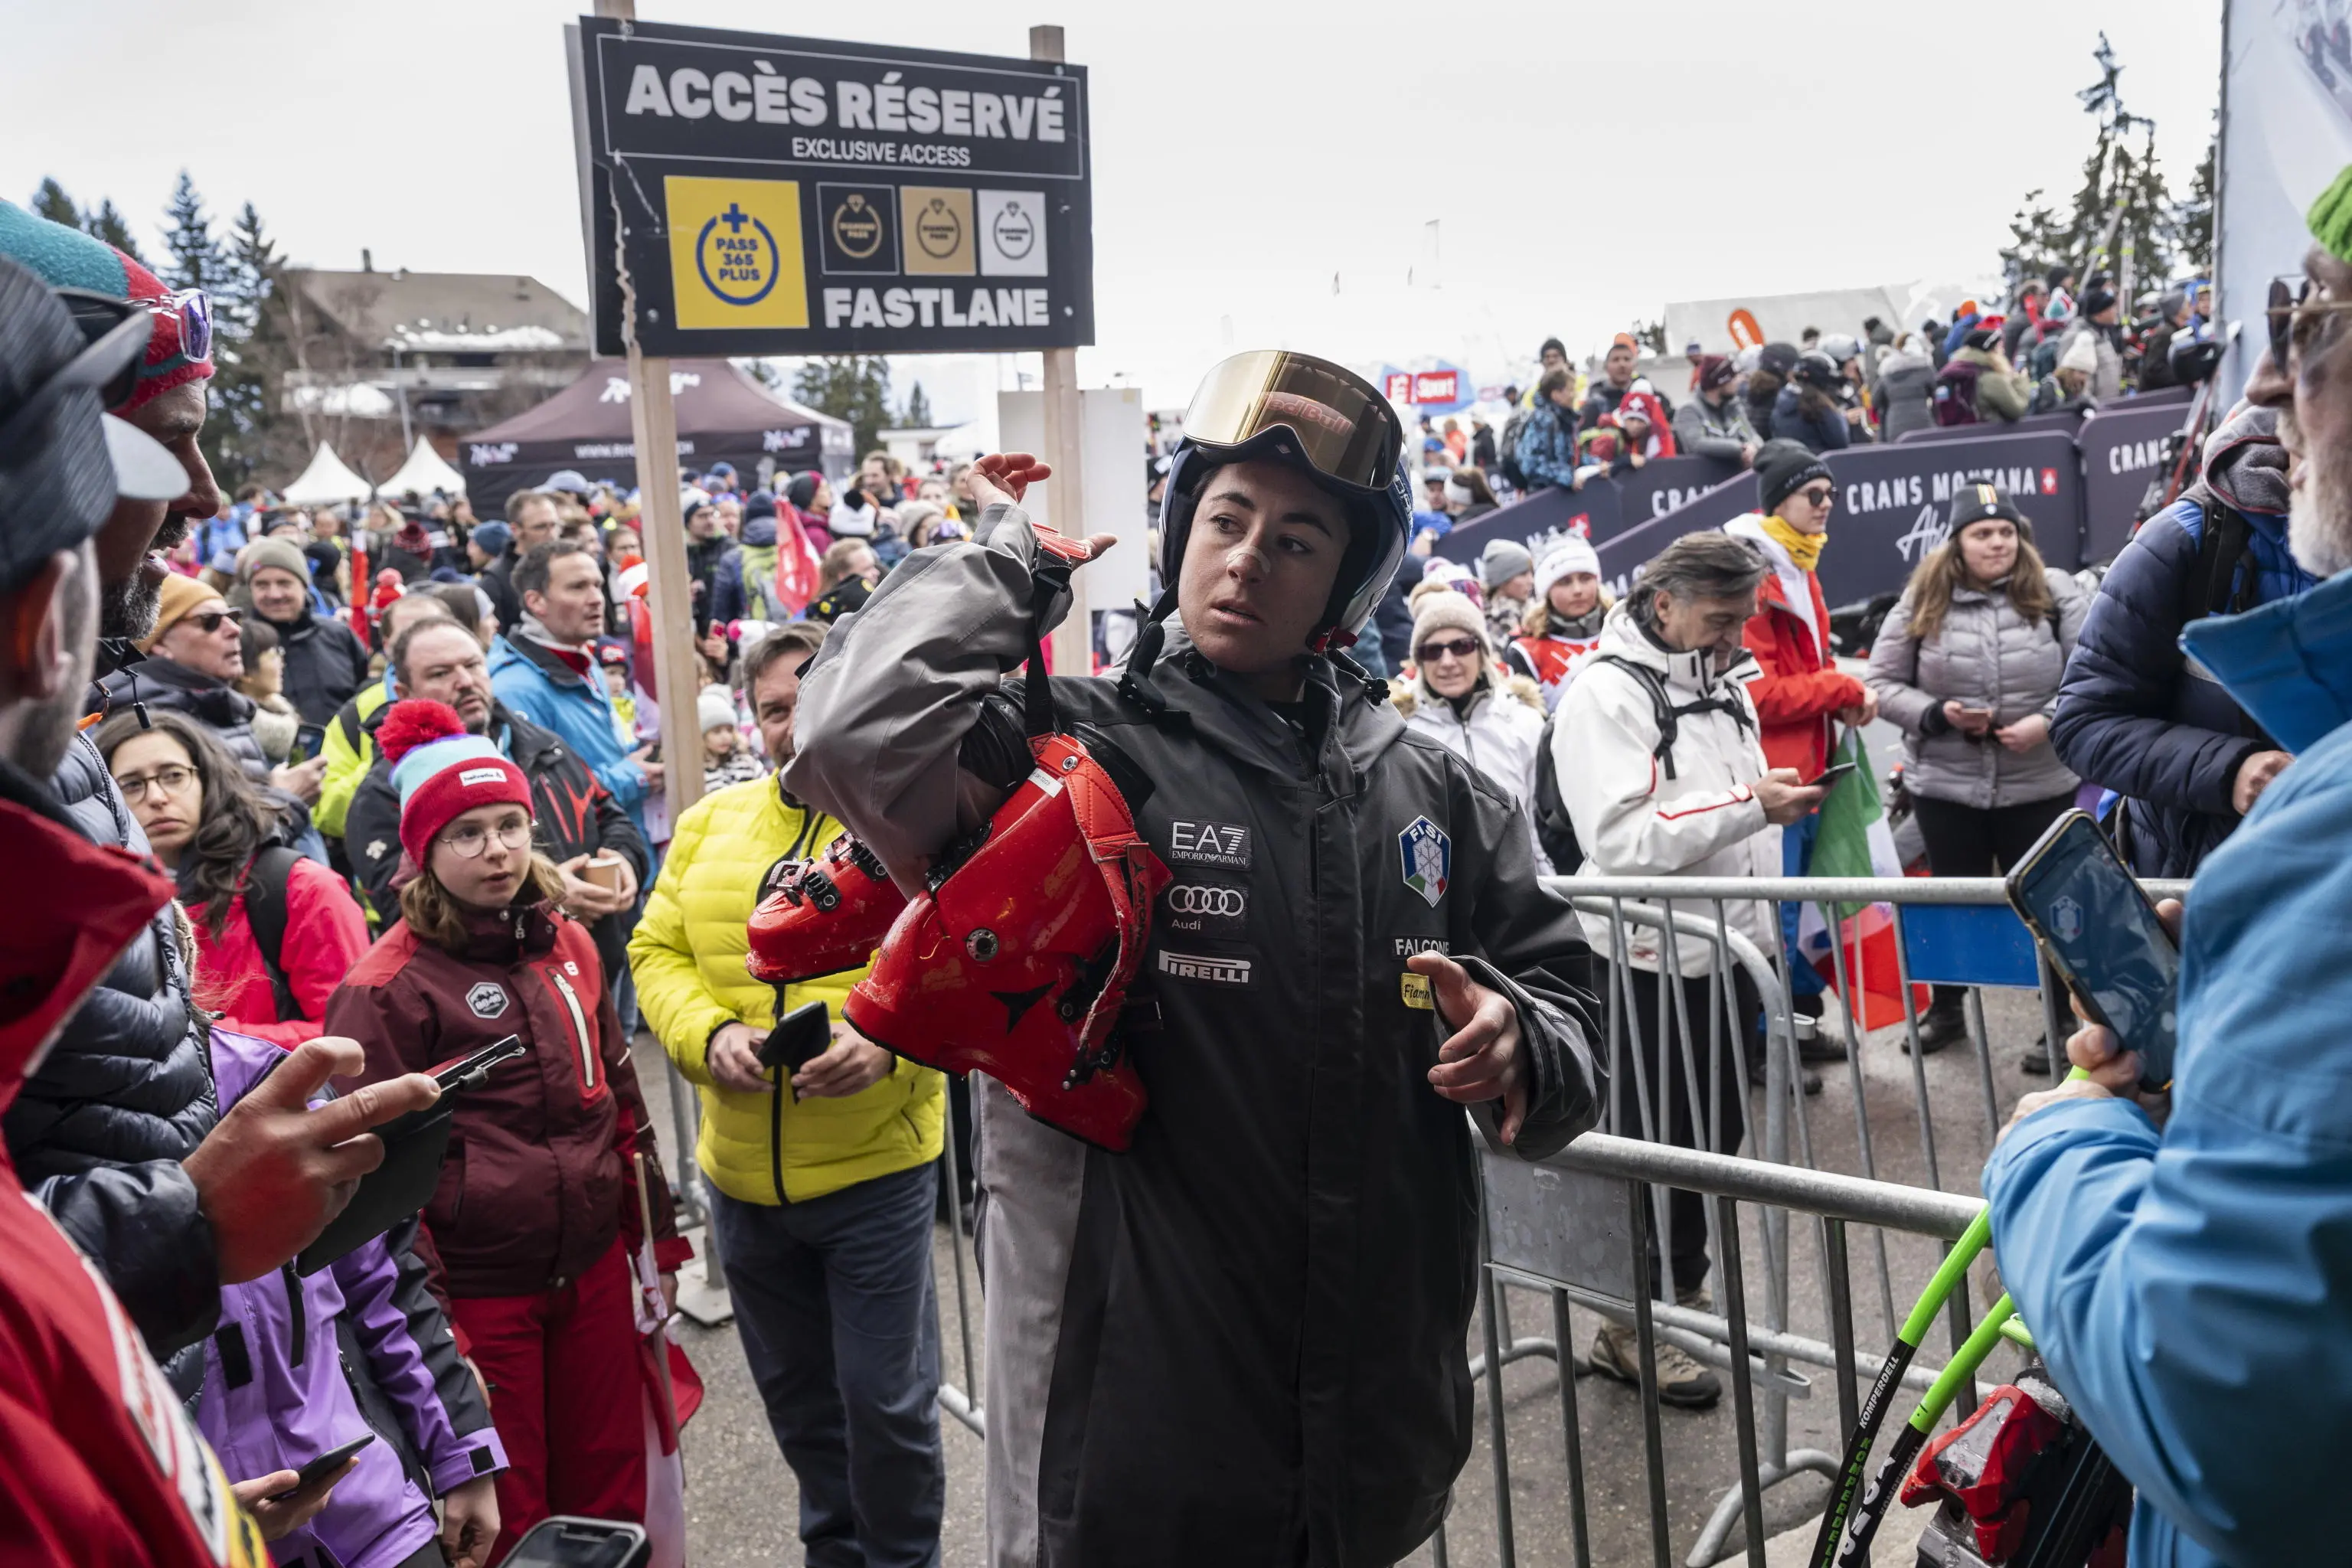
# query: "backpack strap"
x,y
265,911
1669,716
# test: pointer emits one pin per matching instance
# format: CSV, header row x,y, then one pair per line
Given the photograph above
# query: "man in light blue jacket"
x,y
2191,1288
546,670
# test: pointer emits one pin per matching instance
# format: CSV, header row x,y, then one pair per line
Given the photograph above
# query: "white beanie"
x,y
715,707
2081,354
1457,574
1565,559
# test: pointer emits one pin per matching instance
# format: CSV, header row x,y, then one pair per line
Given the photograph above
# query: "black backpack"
x,y
1554,830
265,911
1507,451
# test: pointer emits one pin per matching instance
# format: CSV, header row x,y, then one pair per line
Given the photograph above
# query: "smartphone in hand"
x,y
799,1038
2102,935
319,1468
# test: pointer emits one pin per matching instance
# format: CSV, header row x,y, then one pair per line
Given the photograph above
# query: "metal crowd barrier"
x,y
1579,1228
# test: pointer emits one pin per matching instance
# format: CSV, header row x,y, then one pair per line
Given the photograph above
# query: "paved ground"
x,y
741,1498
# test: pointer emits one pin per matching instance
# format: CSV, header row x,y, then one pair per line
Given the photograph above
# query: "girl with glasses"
x,y
275,932
537,1221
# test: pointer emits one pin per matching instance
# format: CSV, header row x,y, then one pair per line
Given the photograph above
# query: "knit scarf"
x,y
577,659
1804,549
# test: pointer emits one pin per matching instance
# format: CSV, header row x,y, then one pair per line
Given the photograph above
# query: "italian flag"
x,y
1856,840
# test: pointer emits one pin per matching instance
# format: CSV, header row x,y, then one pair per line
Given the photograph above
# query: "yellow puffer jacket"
x,y
687,957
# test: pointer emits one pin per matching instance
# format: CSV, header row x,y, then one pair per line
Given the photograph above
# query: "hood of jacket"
x,y
1224,712
1494,684
2245,465
1906,362
759,530
2288,663
214,700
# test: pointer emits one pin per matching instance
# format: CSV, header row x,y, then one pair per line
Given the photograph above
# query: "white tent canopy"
x,y
327,478
424,472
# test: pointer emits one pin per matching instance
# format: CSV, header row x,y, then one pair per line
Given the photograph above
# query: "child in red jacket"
x,y
536,1219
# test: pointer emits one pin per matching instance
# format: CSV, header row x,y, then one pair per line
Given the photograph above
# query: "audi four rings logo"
x,y
1187,900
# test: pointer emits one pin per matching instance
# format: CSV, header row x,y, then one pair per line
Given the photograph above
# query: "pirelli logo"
x,y
1208,971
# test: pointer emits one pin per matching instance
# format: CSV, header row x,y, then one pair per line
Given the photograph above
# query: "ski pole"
x,y
1851,1475
1855,1549
1848,1490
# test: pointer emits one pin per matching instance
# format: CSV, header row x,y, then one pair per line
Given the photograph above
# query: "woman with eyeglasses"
x,y
1461,697
1802,697
537,1221
275,932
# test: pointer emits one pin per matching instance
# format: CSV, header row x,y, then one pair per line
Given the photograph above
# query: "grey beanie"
x,y
1502,559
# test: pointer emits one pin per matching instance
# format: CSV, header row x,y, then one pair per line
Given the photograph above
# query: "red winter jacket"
x,y
538,1177
99,1463
325,936
1801,687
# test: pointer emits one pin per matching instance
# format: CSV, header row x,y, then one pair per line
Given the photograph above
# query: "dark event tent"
x,y
722,415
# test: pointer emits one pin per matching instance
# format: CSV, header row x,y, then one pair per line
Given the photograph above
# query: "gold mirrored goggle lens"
x,y
1344,428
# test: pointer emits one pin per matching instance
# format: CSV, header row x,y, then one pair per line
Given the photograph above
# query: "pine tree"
x,y
856,387
1651,335
761,371
52,203
196,260
108,224
243,412
2122,217
917,413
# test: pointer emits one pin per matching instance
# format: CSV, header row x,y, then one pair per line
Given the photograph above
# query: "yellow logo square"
x,y
1417,992
937,231
735,252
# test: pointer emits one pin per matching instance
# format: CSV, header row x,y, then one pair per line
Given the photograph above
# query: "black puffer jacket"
x,y
219,707
325,666
122,1097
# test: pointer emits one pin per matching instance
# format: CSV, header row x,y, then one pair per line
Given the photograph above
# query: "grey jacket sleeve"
x,y
144,1227
1690,437
2073,605
1894,666
885,704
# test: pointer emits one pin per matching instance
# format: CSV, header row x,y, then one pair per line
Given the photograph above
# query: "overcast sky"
x,y
1587,163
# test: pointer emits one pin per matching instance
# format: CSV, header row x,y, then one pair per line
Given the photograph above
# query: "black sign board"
x,y
773,196
2121,446
1892,507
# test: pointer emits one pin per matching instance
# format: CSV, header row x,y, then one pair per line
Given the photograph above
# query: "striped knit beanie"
x,y
67,259
442,772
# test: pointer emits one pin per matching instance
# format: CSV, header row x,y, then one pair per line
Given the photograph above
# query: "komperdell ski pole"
x,y
1854,1550
1848,1490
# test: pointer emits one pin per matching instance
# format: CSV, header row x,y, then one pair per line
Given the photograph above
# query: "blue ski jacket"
x,y
2191,1289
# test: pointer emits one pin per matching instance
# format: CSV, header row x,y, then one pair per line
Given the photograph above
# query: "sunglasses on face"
x,y
209,621
1816,496
1460,648
97,314
2298,321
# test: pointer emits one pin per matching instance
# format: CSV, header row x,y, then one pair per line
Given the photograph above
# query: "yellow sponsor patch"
x,y
1417,992
937,222
735,252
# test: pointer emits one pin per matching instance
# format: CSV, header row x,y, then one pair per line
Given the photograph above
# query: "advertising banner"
x,y
751,195
2120,454
2286,129
1892,504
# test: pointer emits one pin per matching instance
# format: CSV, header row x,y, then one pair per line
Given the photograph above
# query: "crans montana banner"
x,y
1892,506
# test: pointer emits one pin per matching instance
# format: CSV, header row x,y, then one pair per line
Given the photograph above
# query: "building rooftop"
x,y
446,312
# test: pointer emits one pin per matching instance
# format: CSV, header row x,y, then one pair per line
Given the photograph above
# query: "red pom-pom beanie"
x,y
442,772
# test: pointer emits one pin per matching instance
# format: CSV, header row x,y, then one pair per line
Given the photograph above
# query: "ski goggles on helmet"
x,y
1344,428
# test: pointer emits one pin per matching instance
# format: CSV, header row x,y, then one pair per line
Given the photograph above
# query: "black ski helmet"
x,y
1328,423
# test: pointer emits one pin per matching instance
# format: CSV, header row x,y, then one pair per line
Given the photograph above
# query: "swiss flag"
x,y
796,560
2050,481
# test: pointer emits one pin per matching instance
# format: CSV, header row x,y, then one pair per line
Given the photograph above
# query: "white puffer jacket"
x,y
1497,732
1632,819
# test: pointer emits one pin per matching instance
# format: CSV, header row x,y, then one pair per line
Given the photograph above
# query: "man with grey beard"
x,y
2187,1287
